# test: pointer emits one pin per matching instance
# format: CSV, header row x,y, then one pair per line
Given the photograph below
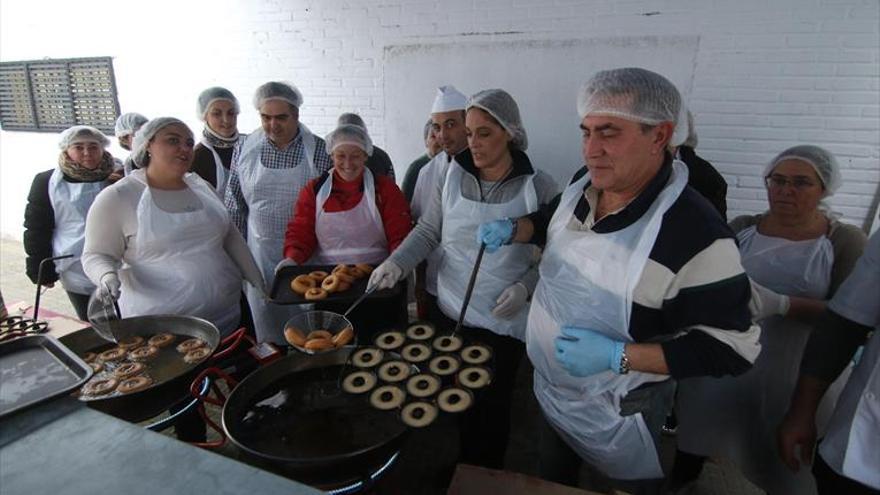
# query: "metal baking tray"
x,y
37,368
282,293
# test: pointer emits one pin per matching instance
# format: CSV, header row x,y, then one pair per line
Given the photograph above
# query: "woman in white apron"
x,y
795,249
350,215
55,216
218,109
493,179
161,240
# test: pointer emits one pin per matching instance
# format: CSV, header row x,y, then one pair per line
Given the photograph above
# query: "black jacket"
x,y
703,177
39,224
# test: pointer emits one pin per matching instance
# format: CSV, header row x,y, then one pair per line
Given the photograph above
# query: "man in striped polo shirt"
x,y
640,281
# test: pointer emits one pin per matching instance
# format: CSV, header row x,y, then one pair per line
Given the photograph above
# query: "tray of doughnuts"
x,y
313,283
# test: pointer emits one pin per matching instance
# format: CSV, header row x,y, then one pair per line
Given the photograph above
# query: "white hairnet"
x,y
680,134
143,136
129,122
822,161
501,106
691,140
276,90
349,134
82,134
211,95
631,93
351,118
448,99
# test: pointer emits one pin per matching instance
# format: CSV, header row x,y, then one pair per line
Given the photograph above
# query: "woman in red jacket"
x,y
349,215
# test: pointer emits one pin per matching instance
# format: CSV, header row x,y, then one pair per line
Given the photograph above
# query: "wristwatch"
x,y
623,367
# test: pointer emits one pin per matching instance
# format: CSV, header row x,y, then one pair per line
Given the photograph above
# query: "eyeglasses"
x,y
780,181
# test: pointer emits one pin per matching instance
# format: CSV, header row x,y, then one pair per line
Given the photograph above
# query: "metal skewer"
x,y
470,289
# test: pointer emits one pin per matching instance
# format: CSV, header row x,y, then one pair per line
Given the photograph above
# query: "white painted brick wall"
x,y
769,73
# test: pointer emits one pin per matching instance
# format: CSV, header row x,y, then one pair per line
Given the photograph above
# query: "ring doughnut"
x,y
89,357
416,353
367,357
454,400
343,286
387,397
132,342
444,365
134,384
343,337
319,334
127,370
196,355
145,353
420,331
448,343
190,345
357,272
359,382
315,293
345,277
394,371
112,355
340,268
331,283
97,367
418,414
367,269
319,345
161,340
100,386
302,283
318,275
476,354
390,340
474,377
294,336
422,385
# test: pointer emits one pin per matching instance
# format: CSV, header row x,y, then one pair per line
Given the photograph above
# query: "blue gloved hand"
x,y
585,352
495,234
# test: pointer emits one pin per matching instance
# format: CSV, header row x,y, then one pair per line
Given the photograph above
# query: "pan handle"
x,y
214,375
230,343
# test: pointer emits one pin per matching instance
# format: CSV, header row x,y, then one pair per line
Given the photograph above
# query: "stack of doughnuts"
x,y
317,340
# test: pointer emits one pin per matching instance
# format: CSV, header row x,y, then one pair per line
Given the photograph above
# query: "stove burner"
x,y
366,483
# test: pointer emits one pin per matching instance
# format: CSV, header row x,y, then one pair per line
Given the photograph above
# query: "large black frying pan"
x,y
291,417
172,375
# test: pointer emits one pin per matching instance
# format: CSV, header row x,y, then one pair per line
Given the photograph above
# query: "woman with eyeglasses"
x,y
797,255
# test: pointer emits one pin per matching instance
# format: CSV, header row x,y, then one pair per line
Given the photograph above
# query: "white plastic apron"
x,y
353,236
746,409
271,195
71,202
432,173
587,280
851,446
179,266
220,171
498,270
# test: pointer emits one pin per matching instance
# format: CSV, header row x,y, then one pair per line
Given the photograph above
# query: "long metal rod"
x,y
40,280
470,288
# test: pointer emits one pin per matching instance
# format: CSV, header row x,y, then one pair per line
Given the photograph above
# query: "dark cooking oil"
x,y
306,415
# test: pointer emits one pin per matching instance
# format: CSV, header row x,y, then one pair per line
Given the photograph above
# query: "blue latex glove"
x,y
585,352
495,234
